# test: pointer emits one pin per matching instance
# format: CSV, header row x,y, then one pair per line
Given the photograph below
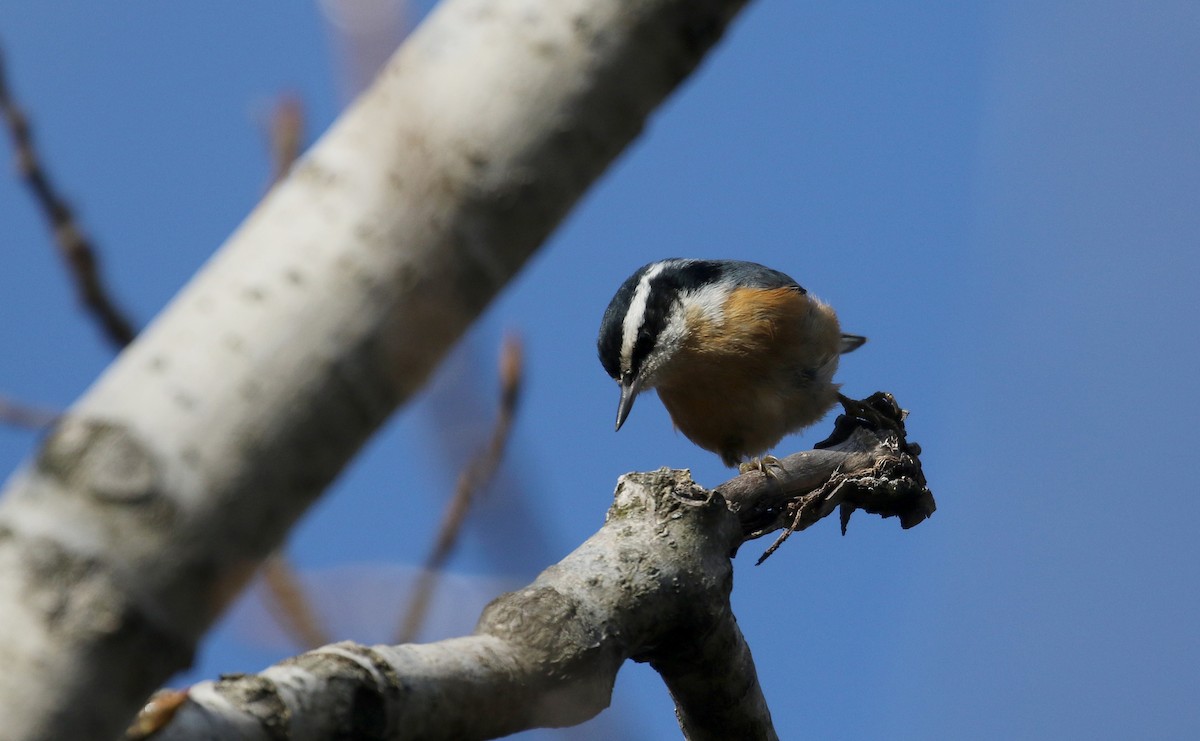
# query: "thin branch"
x,y
156,714
285,134
73,245
471,482
878,471
18,414
289,604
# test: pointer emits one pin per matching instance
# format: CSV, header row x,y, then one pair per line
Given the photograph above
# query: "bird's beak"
x,y
629,392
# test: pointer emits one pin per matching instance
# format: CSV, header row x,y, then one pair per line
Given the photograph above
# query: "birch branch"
x,y
155,498
652,585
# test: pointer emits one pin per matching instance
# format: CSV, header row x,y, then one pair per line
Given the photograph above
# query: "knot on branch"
x,y
662,492
106,458
653,582
664,534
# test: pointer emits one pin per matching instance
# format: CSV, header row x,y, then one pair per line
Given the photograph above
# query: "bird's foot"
x,y
763,465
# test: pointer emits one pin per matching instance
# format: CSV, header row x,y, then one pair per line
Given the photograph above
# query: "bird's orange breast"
x,y
738,385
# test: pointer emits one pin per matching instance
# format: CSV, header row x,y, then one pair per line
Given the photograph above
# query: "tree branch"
x,y
290,605
805,487
474,477
153,501
652,585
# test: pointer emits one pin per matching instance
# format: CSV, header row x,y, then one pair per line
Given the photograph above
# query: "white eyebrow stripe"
x,y
636,316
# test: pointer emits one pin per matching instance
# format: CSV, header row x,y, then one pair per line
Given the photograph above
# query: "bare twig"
x,y
290,605
472,480
810,505
75,248
156,714
286,134
18,414
866,463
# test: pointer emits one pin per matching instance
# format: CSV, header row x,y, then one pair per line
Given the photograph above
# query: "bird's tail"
x,y
851,342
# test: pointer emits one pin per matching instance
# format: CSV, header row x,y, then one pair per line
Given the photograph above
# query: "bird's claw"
x,y
763,465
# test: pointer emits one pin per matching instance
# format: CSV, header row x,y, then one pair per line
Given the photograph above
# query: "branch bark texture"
x,y
155,498
656,578
652,585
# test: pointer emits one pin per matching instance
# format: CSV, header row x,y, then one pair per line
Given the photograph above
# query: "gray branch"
x,y
652,585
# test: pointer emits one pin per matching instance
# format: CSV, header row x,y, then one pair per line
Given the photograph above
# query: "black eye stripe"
x,y
664,292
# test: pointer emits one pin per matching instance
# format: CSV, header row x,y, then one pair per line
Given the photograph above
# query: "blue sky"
x,y
1005,197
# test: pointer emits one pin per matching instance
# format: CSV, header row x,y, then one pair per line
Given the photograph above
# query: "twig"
x,y
472,480
286,134
156,714
290,606
867,463
803,506
73,245
23,415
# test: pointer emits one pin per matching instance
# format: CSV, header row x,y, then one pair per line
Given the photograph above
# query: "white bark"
x,y
154,499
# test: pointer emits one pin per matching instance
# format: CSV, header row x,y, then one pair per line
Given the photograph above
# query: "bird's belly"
x,y
744,420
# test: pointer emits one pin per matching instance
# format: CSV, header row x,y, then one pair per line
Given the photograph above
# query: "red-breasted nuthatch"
x,y
739,353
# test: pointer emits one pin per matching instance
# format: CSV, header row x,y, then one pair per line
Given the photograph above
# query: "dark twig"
x,y
811,505
75,248
472,480
23,415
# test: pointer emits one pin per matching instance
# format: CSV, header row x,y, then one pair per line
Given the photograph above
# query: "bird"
x,y
740,354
